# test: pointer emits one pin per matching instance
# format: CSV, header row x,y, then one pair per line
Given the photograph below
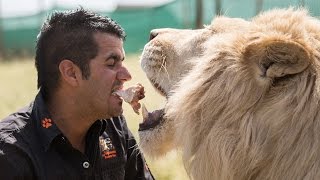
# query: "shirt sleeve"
x,y
14,164
136,167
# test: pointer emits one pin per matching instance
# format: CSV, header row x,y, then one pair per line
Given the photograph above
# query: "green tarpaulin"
x,y
18,34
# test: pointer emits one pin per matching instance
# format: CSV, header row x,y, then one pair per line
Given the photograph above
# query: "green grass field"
x,y
18,88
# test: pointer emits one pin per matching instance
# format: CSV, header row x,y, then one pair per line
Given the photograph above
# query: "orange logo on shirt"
x,y
108,150
46,123
109,154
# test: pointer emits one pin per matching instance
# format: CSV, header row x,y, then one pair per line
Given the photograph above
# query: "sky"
x,y
14,8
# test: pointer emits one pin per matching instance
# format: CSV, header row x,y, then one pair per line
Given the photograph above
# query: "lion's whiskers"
x,y
163,66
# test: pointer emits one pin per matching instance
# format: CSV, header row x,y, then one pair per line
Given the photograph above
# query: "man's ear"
x,y
70,72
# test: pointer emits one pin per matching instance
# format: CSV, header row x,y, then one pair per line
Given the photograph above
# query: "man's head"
x,y
69,35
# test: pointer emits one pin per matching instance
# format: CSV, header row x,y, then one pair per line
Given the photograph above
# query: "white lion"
x,y
243,97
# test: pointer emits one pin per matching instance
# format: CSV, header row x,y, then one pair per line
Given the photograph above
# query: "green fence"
x,y
18,34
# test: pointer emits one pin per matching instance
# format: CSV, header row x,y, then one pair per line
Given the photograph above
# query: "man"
x,y
79,58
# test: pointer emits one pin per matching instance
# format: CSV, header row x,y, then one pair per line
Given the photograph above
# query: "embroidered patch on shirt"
x,y
108,150
46,123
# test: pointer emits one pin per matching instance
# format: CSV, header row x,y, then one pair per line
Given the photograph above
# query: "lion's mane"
x,y
249,109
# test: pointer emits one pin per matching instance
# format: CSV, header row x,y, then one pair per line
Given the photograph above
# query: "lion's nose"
x,y
153,34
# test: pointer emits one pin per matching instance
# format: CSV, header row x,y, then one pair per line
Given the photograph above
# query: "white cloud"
x,y
15,8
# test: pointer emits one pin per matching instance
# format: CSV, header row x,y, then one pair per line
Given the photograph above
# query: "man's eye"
x,y
111,63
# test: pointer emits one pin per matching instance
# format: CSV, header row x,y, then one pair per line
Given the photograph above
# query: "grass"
x,y
18,88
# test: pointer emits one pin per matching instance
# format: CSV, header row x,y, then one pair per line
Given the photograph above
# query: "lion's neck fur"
x,y
250,132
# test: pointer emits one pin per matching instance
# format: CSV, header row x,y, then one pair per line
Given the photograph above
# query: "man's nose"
x,y
124,74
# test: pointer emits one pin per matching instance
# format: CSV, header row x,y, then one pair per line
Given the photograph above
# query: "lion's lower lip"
x,y
153,119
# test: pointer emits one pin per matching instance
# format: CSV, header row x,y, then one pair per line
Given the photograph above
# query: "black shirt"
x,y
32,147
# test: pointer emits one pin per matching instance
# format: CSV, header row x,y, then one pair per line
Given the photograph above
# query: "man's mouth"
x,y
116,88
116,95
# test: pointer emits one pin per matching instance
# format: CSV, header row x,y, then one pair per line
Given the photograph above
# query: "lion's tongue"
x,y
150,119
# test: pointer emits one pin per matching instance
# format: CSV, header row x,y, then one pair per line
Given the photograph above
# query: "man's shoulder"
x,y
14,160
14,124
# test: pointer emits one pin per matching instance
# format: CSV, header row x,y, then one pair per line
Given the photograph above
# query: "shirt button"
x,y
86,165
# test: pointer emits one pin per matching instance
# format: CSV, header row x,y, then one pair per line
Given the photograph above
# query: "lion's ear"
x,y
277,58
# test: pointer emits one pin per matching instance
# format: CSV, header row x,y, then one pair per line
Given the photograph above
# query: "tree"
x,y
259,5
199,14
2,50
218,9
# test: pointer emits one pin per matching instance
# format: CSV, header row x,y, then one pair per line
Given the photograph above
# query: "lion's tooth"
x,y
145,113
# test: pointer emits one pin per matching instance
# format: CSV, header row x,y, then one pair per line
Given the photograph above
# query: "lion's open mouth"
x,y
152,119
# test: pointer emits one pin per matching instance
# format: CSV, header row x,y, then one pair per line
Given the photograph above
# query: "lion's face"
x,y
171,53
165,57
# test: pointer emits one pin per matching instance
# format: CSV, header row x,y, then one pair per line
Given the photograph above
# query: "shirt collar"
x,y
45,126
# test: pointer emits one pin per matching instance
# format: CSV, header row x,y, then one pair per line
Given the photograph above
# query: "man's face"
x,y
107,74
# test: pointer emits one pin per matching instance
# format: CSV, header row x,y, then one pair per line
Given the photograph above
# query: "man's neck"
x,y
70,120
